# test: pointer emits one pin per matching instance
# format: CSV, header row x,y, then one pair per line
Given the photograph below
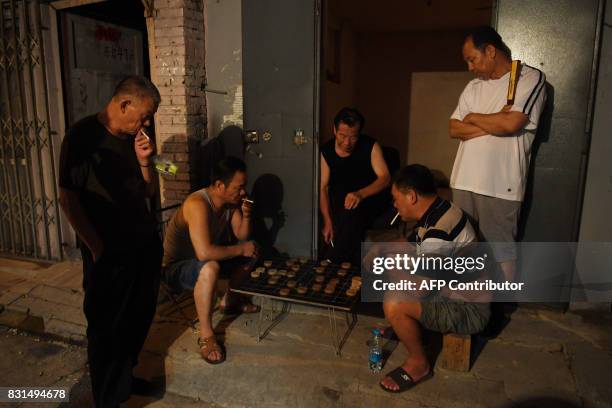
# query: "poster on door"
x,y
100,55
106,47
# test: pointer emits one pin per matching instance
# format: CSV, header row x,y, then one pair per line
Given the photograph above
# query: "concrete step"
x,y
295,365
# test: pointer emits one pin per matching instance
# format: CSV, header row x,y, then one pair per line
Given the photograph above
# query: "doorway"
x,y
399,64
100,44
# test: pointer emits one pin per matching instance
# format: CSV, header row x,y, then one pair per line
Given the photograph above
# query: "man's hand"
x,y
352,200
464,131
246,208
328,232
504,123
468,118
144,148
249,249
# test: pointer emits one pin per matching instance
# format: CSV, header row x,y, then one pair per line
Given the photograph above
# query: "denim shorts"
x,y
183,275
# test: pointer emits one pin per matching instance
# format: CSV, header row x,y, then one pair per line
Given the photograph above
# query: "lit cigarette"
x,y
145,134
394,218
331,241
248,201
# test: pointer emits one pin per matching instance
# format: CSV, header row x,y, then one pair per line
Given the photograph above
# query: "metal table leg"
x,y
350,324
275,320
260,317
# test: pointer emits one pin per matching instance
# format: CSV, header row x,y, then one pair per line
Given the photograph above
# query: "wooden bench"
x,y
456,352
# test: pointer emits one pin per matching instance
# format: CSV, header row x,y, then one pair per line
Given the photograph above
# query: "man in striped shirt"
x,y
442,230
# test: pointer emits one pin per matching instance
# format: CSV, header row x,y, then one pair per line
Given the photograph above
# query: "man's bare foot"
x,y
417,370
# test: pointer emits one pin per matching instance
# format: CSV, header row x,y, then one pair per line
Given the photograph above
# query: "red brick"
x,y
177,185
182,176
181,157
171,129
175,147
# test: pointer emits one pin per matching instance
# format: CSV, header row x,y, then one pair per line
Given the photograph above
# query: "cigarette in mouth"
x,y
248,201
394,218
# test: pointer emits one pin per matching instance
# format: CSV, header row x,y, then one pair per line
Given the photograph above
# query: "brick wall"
x,y
177,69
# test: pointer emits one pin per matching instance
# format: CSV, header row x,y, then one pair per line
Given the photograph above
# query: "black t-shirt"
x,y
352,173
104,171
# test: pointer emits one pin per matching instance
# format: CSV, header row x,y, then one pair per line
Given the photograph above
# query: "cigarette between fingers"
x,y
145,134
394,218
248,201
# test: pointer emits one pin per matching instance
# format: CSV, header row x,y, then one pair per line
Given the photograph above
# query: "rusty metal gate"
x,y
29,213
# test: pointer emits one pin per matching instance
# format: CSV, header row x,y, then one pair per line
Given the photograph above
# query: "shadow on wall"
x,y
542,136
268,215
229,142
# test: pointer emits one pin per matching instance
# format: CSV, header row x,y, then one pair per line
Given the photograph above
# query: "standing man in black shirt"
x,y
353,171
106,175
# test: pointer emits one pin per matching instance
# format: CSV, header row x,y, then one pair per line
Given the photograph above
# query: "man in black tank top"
x,y
353,172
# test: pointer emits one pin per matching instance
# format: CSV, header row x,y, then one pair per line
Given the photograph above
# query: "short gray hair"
x,y
138,86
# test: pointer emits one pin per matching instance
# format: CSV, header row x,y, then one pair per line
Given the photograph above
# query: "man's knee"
x,y
209,271
399,310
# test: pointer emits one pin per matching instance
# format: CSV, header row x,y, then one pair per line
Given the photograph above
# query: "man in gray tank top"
x,y
208,235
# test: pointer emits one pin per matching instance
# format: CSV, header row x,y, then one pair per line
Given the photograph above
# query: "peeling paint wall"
x,y
223,64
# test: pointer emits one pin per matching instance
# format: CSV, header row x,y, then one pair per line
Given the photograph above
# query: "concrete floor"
x,y
543,358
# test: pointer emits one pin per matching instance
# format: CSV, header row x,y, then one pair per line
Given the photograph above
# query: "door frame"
x,y
318,61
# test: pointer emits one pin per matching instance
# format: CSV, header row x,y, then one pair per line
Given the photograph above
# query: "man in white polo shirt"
x,y
490,170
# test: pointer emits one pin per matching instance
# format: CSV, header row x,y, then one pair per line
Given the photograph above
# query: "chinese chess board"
x,y
301,280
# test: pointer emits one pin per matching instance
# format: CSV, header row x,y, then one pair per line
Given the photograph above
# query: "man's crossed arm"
x,y
504,123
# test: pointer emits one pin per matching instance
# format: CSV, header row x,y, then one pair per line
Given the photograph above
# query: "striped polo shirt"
x,y
443,230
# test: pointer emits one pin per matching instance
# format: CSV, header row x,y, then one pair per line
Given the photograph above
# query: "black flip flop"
x,y
403,380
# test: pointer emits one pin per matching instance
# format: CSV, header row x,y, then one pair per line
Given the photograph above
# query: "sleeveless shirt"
x,y
348,174
177,243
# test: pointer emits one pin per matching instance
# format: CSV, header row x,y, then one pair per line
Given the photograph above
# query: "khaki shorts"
x,y
495,218
445,315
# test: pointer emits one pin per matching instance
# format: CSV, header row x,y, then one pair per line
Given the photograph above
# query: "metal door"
x,y
561,39
280,77
29,214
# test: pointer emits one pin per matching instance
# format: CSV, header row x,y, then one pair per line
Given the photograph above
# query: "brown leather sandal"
x,y
209,345
239,308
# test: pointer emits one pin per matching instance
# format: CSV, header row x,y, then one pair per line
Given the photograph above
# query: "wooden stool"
x,y
456,352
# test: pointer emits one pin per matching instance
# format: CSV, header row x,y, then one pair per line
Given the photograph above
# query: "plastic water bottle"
x,y
164,166
161,164
375,355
